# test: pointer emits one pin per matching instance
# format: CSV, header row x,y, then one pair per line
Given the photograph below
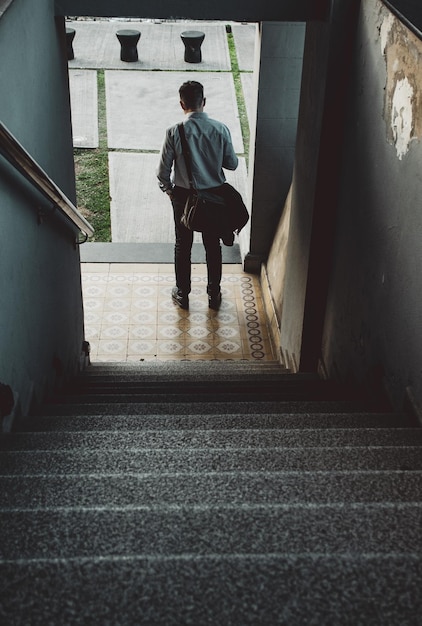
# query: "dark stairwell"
x,y
210,493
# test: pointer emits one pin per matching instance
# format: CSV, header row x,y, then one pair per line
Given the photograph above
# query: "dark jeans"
x,y
183,247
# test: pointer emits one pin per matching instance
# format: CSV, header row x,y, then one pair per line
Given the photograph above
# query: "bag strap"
x,y
186,153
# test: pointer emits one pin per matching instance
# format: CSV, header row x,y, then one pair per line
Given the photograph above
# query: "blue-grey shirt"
x,y
211,150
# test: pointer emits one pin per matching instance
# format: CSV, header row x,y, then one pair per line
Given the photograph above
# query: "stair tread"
x,y
205,397
192,408
196,385
145,590
212,488
221,439
178,530
196,373
170,493
185,365
206,459
217,421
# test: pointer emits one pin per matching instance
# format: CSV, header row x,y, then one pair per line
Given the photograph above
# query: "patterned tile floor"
x,y
129,315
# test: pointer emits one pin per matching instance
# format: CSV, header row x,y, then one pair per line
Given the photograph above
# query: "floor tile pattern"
x,y
129,315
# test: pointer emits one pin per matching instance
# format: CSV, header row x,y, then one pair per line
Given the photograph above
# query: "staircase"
x,y
220,493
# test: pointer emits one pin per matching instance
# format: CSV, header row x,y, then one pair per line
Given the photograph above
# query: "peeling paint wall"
x,y
402,52
373,323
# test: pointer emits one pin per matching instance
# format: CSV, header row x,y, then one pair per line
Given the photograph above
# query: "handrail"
x,y
21,160
416,30
4,5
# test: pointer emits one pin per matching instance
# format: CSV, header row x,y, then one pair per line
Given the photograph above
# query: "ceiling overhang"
x,y
234,10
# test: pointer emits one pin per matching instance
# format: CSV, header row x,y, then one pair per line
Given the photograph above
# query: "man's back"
x,y
211,150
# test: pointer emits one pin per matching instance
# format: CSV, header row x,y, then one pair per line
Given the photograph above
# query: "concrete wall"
x,y
41,317
278,71
373,327
273,274
291,262
372,302
314,187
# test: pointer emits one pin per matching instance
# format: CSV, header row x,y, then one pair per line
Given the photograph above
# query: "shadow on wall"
x,y
273,275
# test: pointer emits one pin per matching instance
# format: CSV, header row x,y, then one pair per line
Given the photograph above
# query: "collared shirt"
x,y
211,150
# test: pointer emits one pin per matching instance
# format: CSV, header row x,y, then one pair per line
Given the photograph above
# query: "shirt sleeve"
x,y
166,162
230,160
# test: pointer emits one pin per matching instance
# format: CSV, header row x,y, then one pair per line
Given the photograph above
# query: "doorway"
x,y
127,277
120,111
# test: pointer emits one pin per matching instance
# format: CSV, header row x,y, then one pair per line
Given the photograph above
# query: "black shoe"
x,y
214,301
228,239
179,298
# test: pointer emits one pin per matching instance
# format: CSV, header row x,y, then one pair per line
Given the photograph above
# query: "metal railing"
x,y
407,15
15,153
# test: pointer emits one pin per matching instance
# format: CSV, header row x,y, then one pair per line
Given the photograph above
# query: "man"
x,y
211,150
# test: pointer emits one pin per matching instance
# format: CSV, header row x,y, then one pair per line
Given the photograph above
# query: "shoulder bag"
x,y
220,209
194,214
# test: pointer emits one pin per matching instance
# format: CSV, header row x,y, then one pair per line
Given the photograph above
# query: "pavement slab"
x,y
244,38
159,48
84,106
141,105
140,212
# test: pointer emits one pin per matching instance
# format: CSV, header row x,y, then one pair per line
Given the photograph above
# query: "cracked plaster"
x,y
402,52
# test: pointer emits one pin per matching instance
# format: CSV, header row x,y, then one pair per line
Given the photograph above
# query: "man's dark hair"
x,y
191,94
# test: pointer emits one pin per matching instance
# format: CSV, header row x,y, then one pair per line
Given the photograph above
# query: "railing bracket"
x,y
79,243
40,216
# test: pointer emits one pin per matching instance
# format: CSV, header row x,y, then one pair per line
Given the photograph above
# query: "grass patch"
x,y
244,124
92,176
92,190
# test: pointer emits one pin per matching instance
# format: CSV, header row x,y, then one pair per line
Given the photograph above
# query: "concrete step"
x,y
212,488
275,373
211,380
268,589
177,367
185,366
133,460
204,380
202,530
187,393
190,374
202,376
187,372
236,439
216,421
129,500
199,408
